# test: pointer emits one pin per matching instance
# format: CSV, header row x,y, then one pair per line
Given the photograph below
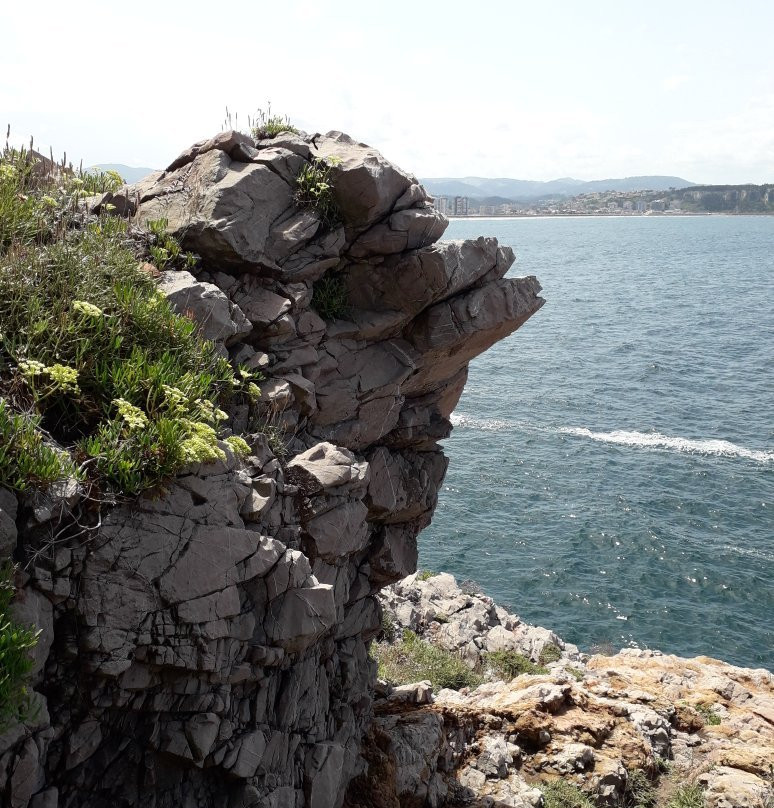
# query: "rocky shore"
x,y
626,729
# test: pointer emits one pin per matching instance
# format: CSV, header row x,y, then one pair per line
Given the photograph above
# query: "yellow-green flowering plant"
x,y
91,349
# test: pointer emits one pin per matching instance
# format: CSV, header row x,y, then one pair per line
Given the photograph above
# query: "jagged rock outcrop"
x,y
207,645
597,722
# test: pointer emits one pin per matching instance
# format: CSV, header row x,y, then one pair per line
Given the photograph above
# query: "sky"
x,y
518,89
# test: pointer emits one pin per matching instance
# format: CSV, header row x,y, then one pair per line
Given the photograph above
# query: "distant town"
x,y
698,199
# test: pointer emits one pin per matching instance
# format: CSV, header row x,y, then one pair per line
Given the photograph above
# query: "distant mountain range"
x,y
522,190
129,173
492,191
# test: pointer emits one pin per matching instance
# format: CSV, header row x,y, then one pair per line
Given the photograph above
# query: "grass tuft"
x,y
687,796
411,659
711,718
640,790
561,794
267,125
329,297
508,665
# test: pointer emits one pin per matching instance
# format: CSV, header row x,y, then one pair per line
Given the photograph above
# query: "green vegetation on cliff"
x,y
411,659
562,794
99,378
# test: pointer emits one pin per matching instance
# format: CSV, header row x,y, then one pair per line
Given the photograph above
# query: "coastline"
x,y
537,711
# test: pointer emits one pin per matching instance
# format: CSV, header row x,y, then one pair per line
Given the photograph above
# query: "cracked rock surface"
x,y
207,645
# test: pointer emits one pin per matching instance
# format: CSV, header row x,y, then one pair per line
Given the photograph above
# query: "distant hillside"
x,y
129,173
746,198
521,190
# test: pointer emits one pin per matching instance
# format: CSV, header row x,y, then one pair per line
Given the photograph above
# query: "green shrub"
x,y
15,661
411,659
100,182
640,790
687,796
24,215
425,575
663,766
39,198
550,653
314,189
561,794
26,461
389,627
711,718
576,673
510,664
93,353
329,297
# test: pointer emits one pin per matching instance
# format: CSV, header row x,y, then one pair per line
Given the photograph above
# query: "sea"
x,y
611,467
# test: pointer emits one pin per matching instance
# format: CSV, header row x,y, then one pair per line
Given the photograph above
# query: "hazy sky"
x,y
532,90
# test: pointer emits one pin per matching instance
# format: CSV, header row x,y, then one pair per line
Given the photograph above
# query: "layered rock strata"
x,y
611,725
207,645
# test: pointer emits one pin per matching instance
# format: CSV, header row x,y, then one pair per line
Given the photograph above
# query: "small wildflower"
x,y
66,379
209,411
133,416
201,445
48,201
175,399
31,367
253,390
89,309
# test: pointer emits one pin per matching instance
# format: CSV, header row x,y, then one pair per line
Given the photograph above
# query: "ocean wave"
x,y
485,424
655,440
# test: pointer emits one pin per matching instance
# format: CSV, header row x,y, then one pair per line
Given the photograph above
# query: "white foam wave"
x,y
655,440
485,424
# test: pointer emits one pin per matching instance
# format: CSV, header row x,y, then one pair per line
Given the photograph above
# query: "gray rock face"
x,y
8,533
207,645
219,319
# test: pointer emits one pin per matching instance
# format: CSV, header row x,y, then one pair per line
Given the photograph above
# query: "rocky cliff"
x,y
208,644
543,725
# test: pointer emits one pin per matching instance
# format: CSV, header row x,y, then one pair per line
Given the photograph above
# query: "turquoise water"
x,y
612,463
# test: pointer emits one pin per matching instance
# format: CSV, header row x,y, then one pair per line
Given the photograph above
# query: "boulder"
x,y
219,319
